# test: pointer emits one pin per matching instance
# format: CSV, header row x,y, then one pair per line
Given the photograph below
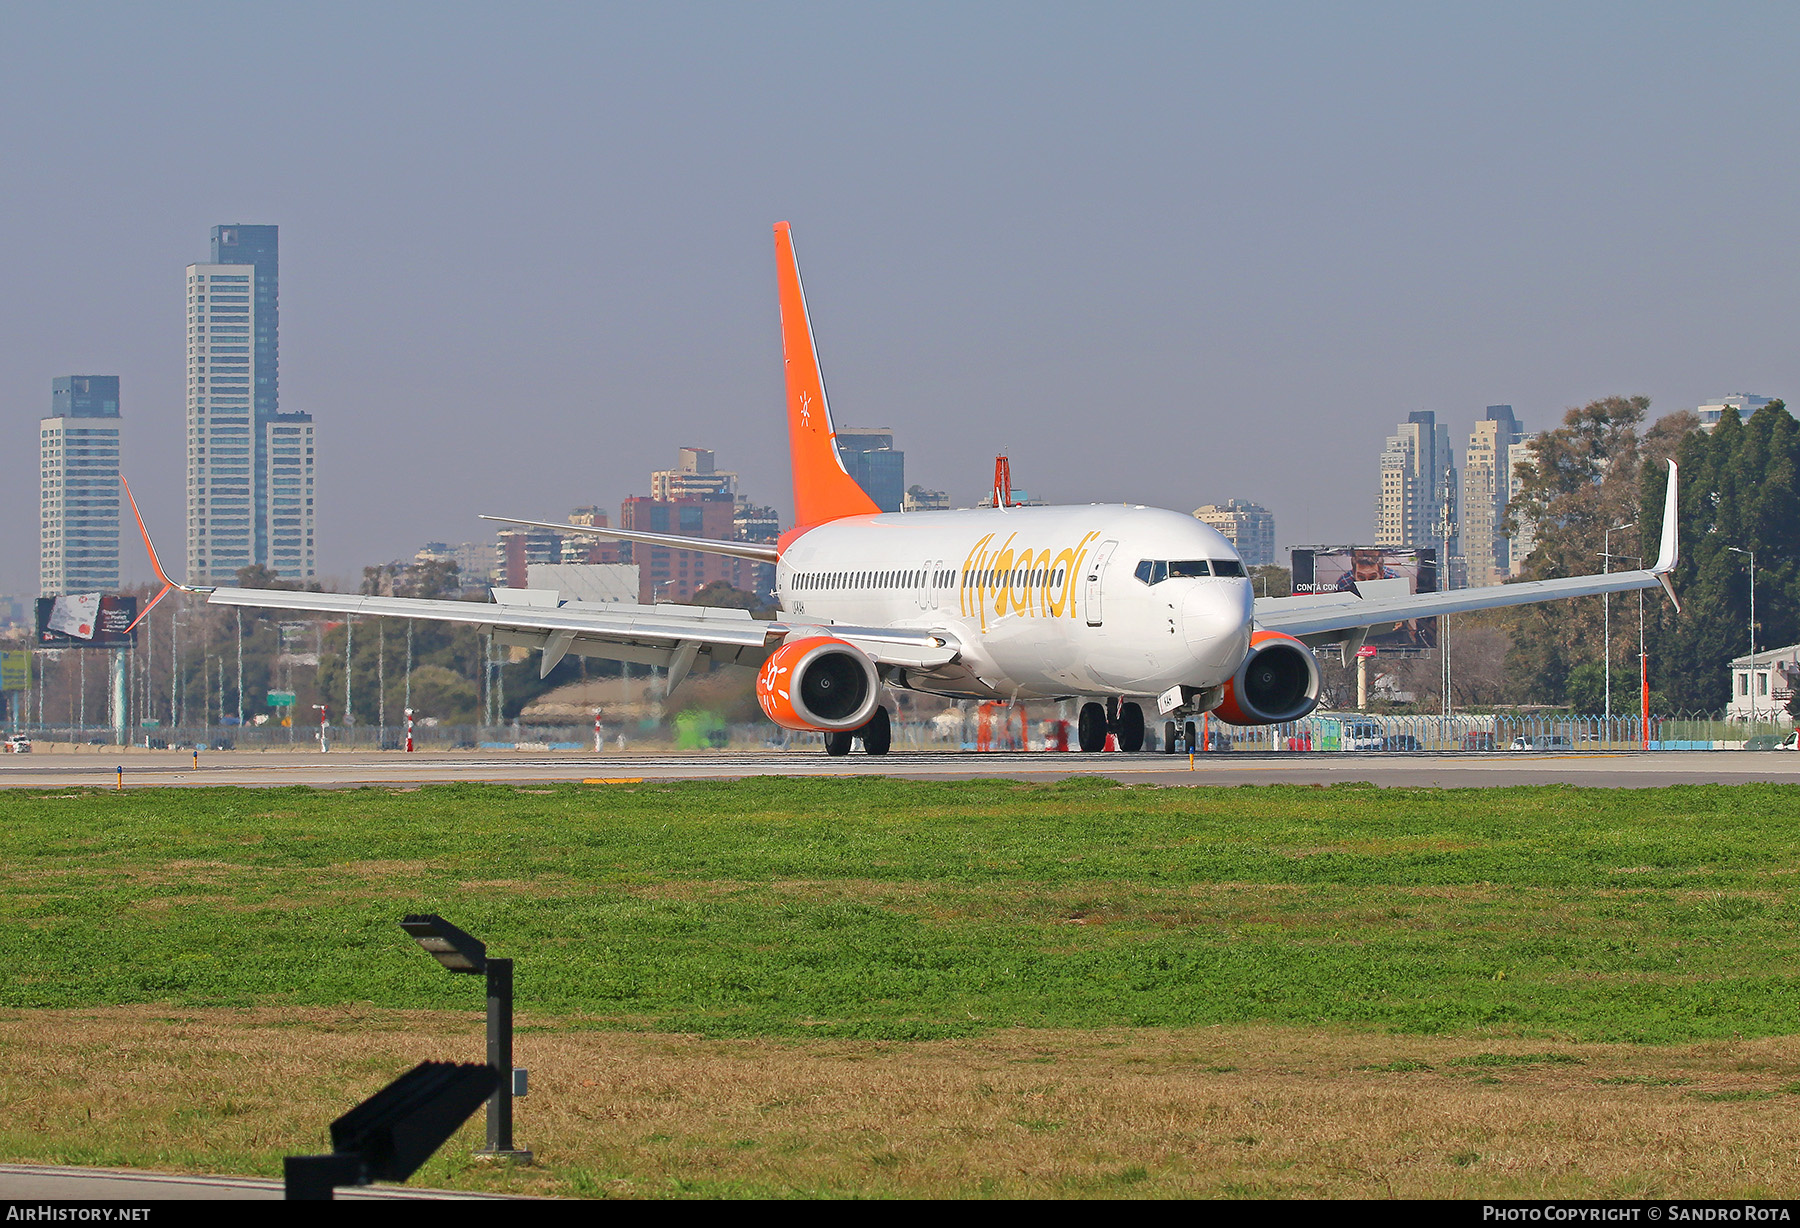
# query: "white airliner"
x,y
1114,604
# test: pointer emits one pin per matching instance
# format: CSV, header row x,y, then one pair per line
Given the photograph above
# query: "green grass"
x,y
877,908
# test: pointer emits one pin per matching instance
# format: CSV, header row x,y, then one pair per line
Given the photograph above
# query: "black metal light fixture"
x,y
459,951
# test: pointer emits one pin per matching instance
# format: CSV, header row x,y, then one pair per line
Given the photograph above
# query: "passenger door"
x,y
1092,578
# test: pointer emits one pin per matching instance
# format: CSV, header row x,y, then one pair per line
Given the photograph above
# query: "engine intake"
x,y
819,684
1278,682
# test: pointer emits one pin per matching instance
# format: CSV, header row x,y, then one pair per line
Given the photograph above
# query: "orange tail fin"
x,y
823,489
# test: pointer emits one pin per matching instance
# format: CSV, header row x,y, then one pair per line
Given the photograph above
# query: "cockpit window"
x,y
1155,571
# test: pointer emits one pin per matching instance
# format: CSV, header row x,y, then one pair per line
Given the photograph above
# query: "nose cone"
x,y
1215,619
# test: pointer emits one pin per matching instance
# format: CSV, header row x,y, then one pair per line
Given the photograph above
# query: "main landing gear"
x,y
877,736
1125,721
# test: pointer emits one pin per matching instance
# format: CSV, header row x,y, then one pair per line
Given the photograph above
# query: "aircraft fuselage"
x,y
1043,601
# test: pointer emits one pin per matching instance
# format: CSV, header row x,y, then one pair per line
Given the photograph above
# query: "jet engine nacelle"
x,y
819,684
1278,682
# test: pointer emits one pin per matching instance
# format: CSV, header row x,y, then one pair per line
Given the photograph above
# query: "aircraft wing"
x,y
668,636
1320,615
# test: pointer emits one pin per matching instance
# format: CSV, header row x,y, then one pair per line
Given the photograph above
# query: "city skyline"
x,y
1091,244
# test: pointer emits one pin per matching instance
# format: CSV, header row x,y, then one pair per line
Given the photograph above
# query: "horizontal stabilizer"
x,y
757,551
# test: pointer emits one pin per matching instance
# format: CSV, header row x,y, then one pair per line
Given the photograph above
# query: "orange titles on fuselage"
x,y
1014,580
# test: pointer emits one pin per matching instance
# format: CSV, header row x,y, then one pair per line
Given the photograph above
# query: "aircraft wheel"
x,y
1192,736
878,734
1169,737
1130,728
1090,730
838,742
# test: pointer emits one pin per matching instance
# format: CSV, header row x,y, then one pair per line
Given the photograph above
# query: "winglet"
x,y
155,563
823,488
1670,552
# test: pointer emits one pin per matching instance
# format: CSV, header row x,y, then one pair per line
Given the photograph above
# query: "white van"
x,y
1543,741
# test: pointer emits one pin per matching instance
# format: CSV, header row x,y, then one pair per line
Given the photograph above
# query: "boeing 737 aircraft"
x,y
1115,604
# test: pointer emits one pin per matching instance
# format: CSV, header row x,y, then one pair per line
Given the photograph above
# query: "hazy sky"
x,y
1170,254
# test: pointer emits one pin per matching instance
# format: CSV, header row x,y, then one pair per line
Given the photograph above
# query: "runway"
x,y
342,770
60,1183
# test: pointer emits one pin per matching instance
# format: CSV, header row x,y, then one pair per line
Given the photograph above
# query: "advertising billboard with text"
x,y
1337,569
85,620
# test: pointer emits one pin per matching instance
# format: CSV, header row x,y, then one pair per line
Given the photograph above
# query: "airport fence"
x,y
986,727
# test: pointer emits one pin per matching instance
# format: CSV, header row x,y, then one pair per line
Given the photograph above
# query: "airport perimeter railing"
x,y
1044,727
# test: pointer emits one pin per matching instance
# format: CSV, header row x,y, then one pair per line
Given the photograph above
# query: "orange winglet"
x,y
823,489
155,563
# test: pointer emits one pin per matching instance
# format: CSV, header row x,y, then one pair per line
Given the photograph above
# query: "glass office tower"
x,y
243,508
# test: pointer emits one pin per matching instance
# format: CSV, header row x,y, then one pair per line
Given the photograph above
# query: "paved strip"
x,y
395,769
54,1183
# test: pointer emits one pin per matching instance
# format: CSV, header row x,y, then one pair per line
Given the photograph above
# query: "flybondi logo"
x,y
1021,581
769,682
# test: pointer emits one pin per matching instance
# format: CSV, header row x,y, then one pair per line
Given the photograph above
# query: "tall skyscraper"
x,y
250,466
1418,485
1249,527
869,456
1487,489
78,492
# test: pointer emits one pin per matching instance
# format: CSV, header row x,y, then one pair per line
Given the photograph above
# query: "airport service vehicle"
x,y
1543,741
1118,605
18,744
1791,742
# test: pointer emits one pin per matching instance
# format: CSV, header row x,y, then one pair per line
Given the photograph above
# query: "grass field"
x,y
1407,976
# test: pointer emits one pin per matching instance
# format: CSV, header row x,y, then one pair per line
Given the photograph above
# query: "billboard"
x,y
85,620
1337,569
15,671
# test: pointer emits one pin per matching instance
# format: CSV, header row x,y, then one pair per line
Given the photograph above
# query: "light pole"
x,y
1643,663
1606,619
1752,556
458,951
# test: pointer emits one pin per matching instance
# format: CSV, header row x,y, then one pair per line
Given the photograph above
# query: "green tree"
x,y
439,693
1584,476
1740,486
1585,688
1272,580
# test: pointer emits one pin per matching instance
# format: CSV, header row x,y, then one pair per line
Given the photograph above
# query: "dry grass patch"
x,y
1215,1111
